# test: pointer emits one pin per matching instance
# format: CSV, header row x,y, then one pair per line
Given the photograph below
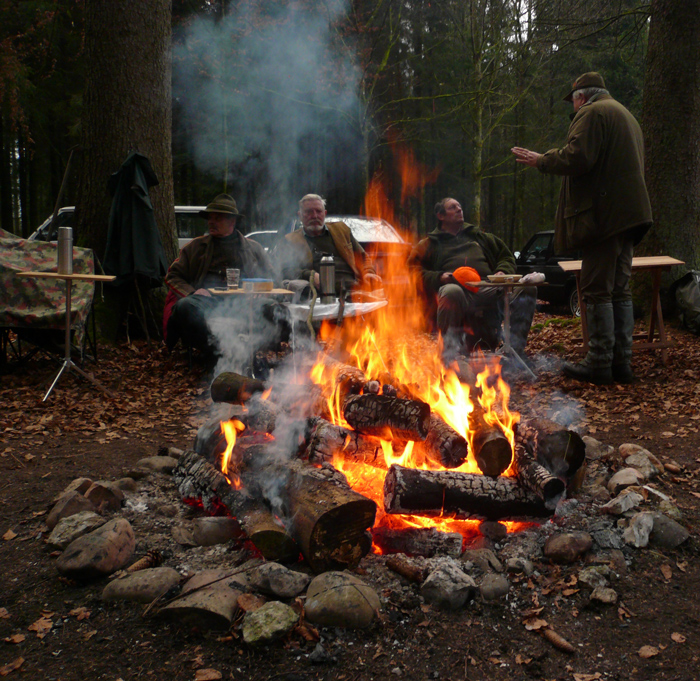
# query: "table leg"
x,y
584,314
656,319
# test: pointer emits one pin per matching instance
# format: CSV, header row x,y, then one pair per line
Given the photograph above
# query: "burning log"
x,y
418,541
444,444
491,447
464,495
348,379
559,450
327,439
269,536
327,518
406,568
536,477
388,417
234,388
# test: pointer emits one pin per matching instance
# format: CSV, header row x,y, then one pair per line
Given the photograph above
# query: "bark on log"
x,y
444,444
491,447
234,388
406,568
561,451
464,495
327,518
537,478
416,541
390,418
269,536
326,440
349,379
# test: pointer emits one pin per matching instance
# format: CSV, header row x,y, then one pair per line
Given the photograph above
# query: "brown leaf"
x,y
520,659
666,571
534,623
9,535
682,566
15,638
89,634
81,613
587,677
570,592
11,666
41,626
4,615
307,632
207,675
678,638
646,652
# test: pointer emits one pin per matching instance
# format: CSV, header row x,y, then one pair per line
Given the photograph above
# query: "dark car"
x,y
538,256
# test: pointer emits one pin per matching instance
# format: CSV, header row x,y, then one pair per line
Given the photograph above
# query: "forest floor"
x,y
653,633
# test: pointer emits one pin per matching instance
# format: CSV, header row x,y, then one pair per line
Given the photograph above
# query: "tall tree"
x,y
671,122
127,107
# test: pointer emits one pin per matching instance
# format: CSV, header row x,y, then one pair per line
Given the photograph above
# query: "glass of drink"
x,y
233,277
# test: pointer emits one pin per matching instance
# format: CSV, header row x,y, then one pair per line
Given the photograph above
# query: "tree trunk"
x,y
127,106
671,122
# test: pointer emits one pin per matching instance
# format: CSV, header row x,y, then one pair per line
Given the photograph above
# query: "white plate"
x,y
504,278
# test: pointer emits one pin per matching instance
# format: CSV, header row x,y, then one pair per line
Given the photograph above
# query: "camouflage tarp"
x,y
36,303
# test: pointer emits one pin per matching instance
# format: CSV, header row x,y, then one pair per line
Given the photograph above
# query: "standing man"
x,y
300,254
202,265
603,210
461,309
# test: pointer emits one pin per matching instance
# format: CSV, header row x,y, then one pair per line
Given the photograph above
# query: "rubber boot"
x,y
623,314
597,365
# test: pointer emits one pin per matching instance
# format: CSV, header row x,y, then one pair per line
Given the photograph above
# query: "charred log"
x,y
349,379
269,536
537,478
444,444
388,417
423,541
463,495
406,568
326,440
234,388
561,451
491,448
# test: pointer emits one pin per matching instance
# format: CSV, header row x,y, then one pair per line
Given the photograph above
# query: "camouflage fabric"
x,y
37,303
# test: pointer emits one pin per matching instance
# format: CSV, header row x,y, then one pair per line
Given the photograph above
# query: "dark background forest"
x,y
271,99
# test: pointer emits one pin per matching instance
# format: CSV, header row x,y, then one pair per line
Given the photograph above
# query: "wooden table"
x,y
656,264
68,363
238,292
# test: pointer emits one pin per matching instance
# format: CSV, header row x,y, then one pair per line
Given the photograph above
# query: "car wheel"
x,y
574,304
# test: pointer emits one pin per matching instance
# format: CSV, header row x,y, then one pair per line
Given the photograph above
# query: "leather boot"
x,y
597,365
623,314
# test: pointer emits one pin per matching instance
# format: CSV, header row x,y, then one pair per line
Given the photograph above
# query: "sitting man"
x,y
300,254
470,316
202,265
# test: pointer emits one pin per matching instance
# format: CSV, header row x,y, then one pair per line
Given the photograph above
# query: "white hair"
x,y
311,197
588,92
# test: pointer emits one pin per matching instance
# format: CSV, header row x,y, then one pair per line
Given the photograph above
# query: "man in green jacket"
x,y
469,318
201,266
604,211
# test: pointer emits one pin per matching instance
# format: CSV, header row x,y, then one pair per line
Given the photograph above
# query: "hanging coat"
x,y
134,247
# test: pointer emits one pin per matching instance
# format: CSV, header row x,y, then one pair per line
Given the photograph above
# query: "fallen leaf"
x,y
9,535
81,613
41,626
570,592
89,634
587,677
29,457
646,652
668,433
534,623
207,675
666,571
11,666
520,659
4,615
678,638
682,566
15,638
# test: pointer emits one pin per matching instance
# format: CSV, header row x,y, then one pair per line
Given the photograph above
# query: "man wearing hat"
x,y
604,211
450,260
202,265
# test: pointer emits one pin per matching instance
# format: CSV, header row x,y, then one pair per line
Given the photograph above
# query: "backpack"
x,y
687,296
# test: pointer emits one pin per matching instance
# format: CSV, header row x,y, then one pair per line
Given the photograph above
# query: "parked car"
x,y
538,256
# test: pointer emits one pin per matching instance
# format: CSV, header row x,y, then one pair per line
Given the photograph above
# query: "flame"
x,y
230,429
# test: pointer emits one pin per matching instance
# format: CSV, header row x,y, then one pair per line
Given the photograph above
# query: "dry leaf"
x,y
520,659
682,566
587,677
15,638
534,623
11,666
648,651
29,457
89,634
207,675
666,571
41,626
9,535
81,613
678,638
570,592
4,615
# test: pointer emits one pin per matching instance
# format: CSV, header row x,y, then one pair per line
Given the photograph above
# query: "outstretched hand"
x,y
525,156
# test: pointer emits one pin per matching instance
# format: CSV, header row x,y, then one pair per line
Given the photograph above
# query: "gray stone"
x,y
215,530
624,478
167,510
105,495
521,545
637,532
448,587
103,551
518,565
493,586
80,485
624,501
126,484
339,599
158,464
268,623
143,586
594,576
595,449
493,530
668,508
629,449
183,534
484,559
605,595
641,462
606,537
667,533
68,504
274,579
567,547
69,529
320,655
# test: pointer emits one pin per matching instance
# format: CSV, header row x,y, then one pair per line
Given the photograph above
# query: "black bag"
x,y
687,295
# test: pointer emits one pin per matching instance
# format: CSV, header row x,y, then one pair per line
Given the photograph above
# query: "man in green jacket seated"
x,y
469,317
300,254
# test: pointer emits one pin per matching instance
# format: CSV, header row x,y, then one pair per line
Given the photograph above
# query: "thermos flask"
x,y
65,250
327,276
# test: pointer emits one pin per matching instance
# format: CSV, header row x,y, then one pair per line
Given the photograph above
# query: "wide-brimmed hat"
x,y
223,203
590,79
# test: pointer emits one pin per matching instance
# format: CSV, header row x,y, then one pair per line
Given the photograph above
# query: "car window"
x,y
539,247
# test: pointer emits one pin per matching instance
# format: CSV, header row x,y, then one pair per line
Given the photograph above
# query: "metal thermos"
x,y
65,250
327,279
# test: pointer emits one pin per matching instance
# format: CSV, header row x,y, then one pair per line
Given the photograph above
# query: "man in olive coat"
x,y
604,211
